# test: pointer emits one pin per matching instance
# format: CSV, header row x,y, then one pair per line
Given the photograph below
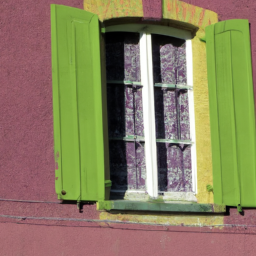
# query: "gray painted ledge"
x,y
126,205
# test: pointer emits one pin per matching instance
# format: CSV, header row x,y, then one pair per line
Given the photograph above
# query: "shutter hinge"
x,y
108,183
78,203
239,208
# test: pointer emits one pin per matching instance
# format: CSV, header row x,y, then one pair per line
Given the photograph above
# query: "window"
x,y
80,117
150,114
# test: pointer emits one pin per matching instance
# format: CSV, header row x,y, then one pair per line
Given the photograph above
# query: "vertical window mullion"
x,y
149,114
189,62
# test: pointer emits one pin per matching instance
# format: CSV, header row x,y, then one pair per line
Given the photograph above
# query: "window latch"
x,y
108,183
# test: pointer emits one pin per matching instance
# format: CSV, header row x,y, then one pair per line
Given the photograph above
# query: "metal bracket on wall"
x,y
209,188
79,205
203,39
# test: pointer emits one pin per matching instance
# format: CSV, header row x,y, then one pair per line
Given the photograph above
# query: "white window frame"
x,y
149,107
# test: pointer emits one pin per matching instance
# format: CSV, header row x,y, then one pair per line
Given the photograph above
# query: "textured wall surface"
x,y
26,128
181,11
202,120
27,163
114,8
152,9
121,240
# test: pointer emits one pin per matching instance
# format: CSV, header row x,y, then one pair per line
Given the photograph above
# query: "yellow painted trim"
x,y
170,219
172,10
180,11
108,9
202,120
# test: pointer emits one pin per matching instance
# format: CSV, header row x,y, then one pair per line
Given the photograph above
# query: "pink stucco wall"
x,y
152,9
27,163
44,240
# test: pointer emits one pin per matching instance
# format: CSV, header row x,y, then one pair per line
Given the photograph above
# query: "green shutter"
x,y
80,158
232,116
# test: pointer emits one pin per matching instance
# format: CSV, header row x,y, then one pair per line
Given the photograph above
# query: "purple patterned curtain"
x,y
171,114
125,114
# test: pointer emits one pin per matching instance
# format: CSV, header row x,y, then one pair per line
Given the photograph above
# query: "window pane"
x,y
138,112
123,56
118,164
166,114
116,111
172,114
127,164
184,115
169,60
174,168
125,113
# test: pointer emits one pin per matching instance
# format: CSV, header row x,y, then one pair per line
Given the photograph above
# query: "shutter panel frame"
x,y
80,146
231,89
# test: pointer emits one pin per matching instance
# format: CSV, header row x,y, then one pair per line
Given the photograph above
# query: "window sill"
x,y
126,205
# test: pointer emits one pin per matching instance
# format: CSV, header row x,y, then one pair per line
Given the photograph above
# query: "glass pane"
x,y
123,56
172,114
137,174
116,111
138,109
125,112
174,168
165,114
127,165
169,60
184,115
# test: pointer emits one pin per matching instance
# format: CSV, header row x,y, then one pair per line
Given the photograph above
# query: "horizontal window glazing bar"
x,y
129,138
141,138
124,82
173,86
188,142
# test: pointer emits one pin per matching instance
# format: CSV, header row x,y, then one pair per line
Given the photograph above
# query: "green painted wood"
x,y
141,138
125,205
173,86
232,117
77,105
